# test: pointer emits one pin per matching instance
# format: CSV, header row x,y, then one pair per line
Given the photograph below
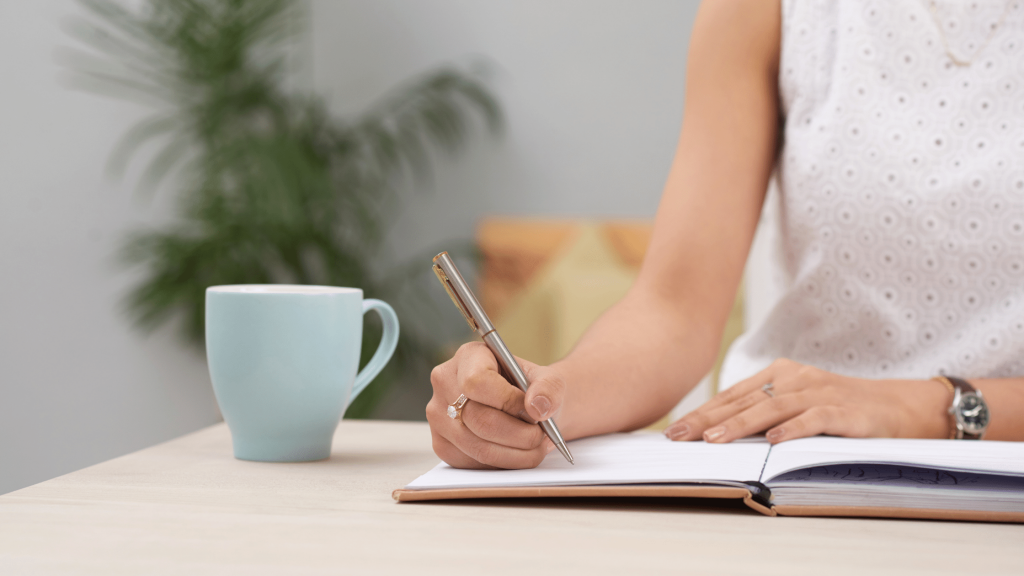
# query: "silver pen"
x,y
478,321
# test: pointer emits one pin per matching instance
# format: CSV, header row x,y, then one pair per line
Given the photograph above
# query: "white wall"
x,y
77,384
593,94
592,89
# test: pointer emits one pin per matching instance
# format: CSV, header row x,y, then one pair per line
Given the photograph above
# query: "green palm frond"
x,y
272,188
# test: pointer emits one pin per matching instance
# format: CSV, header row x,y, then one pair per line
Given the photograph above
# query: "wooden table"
x,y
188,507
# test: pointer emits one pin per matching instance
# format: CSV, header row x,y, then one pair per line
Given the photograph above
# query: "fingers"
x,y
759,417
713,421
832,420
479,379
722,413
546,395
806,401
500,428
724,405
454,457
743,387
458,446
481,382
489,453
495,428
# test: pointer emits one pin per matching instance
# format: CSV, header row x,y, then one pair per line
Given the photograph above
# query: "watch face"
x,y
972,413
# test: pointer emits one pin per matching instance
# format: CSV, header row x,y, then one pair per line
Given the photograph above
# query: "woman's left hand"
x,y
807,401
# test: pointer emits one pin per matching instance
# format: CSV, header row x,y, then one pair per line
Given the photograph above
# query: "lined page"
x,y
1005,458
639,458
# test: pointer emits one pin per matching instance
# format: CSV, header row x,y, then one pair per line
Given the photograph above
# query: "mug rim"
x,y
296,289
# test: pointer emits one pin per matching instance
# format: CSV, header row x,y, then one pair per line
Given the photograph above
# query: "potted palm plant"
x,y
271,187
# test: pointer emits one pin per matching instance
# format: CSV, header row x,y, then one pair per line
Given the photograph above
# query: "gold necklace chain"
x,y
934,10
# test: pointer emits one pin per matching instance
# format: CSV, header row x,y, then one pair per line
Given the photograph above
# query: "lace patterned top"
x,y
901,183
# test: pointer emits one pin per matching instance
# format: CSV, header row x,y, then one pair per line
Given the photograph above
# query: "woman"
x,y
897,131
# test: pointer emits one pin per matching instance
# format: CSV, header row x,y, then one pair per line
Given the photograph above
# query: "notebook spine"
x,y
760,493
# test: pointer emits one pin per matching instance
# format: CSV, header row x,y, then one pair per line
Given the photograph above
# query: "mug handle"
x,y
388,342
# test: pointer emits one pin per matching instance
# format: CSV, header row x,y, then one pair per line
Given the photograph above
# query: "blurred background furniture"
x,y
544,282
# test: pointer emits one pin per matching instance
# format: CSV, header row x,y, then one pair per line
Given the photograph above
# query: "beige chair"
x,y
545,281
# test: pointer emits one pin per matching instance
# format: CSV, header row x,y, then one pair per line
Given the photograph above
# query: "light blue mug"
x,y
283,362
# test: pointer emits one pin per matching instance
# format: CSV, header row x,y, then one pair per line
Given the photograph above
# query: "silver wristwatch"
x,y
969,412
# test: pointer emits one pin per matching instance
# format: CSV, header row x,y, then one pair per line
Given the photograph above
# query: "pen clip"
x,y
455,297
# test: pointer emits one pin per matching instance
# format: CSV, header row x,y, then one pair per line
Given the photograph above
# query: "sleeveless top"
x,y
901,191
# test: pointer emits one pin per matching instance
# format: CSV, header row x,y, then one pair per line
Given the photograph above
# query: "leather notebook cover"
x,y
909,513
666,491
404,495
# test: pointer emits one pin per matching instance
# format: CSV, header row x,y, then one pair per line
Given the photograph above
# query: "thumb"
x,y
546,393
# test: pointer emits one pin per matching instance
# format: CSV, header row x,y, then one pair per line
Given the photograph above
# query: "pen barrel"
x,y
511,370
462,295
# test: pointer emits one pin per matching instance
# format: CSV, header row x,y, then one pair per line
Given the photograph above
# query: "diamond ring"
x,y
767,389
455,408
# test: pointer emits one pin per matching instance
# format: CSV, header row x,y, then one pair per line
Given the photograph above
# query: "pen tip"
x,y
565,452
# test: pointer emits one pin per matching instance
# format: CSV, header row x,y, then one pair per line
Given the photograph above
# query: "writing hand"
x,y
808,401
499,422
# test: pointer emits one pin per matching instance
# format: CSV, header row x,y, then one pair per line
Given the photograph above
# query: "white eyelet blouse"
x,y
901,183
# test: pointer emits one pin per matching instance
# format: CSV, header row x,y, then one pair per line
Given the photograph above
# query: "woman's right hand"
x,y
498,427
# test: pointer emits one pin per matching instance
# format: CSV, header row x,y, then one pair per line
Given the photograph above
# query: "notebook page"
x,y
1006,458
639,458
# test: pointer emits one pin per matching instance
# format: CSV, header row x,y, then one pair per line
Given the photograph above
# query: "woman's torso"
x,y
901,183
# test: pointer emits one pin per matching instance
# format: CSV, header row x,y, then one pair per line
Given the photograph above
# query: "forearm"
x,y
926,407
645,353
633,365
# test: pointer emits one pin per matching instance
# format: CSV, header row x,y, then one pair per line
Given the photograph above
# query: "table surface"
x,y
188,507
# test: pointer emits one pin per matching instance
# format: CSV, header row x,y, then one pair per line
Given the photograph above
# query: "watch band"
x,y
962,384
952,394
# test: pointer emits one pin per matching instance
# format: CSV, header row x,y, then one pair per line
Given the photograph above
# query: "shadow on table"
x,y
663,505
369,458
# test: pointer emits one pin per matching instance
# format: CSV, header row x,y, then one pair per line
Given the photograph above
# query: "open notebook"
x,y
819,476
